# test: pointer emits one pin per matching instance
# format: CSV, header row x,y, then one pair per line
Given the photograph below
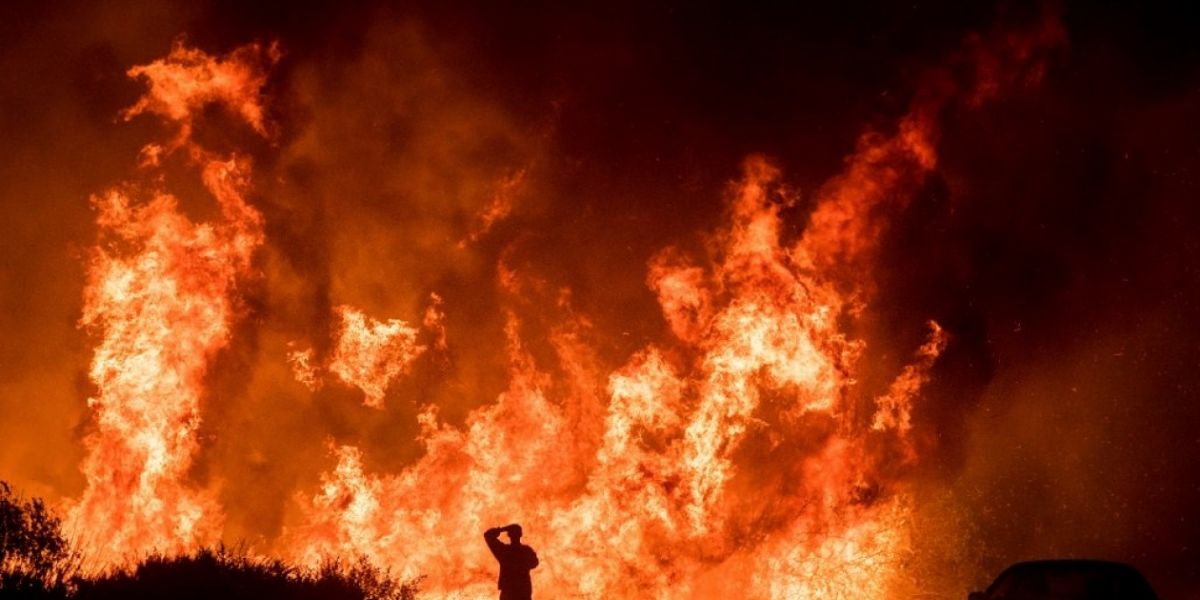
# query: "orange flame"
x,y
161,295
500,207
370,353
727,460
662,480
188,80
730,463
894,409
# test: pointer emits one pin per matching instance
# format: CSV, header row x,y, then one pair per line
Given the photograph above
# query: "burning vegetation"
x,y
277,363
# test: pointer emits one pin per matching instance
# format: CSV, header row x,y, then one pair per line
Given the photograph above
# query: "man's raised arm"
x,y
492,537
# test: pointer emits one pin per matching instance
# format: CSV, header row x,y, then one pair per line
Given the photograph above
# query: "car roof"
x,y
1119,569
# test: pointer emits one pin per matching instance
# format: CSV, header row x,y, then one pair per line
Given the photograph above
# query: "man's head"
x,y
514,533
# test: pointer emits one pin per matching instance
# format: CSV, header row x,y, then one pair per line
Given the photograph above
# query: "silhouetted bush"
x,y
231,575
35,559
37,562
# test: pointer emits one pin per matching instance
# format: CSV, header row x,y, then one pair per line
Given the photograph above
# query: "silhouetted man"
x,y
516,560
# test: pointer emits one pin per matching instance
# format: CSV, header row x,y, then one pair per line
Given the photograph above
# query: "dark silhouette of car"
x,y
1068,580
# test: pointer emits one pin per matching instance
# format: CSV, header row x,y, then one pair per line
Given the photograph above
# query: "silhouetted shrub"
x,y
37,562
35,559
232,575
